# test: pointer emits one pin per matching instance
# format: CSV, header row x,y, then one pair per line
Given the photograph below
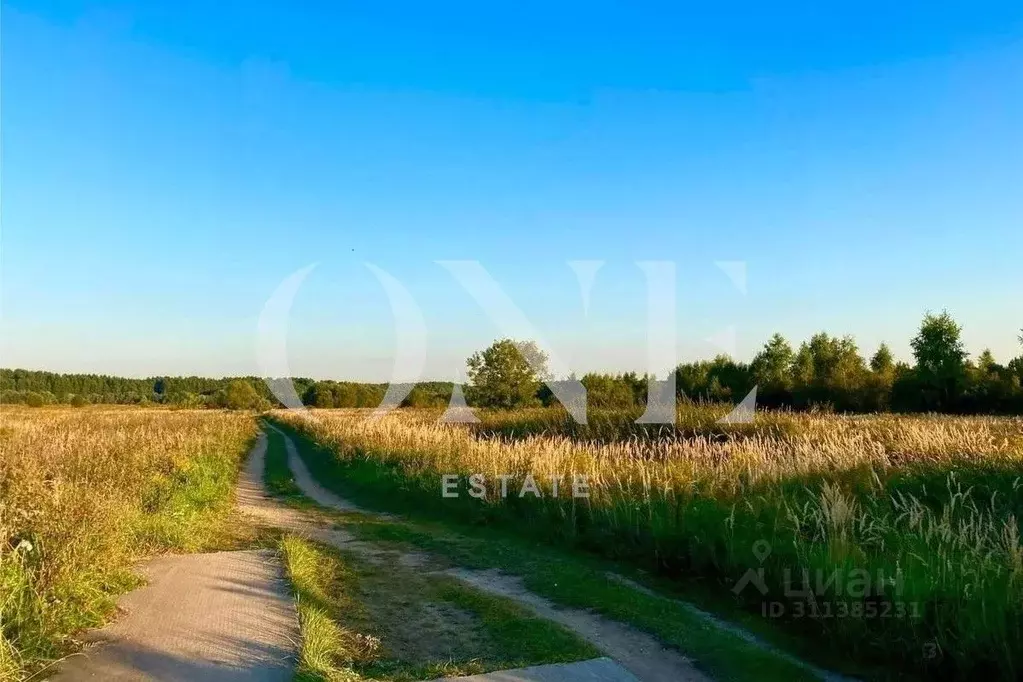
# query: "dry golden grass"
x,y
934,502
86,492
811,445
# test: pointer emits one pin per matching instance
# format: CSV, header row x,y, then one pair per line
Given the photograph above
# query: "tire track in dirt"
x,y
641,654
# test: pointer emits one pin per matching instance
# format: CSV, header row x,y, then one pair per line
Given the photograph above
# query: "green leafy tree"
x,y
720,379
772,371
992,387
322,395
986,363
503,375
184,399
78,400
883,362
729,380
346,395
803,368
608,391
940,361
638,385
240,395
369,395
829,371
692,380
425,396
877,395
33,399
1016,367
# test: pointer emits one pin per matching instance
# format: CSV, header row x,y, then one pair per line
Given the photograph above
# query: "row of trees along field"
x,y
823,372
829,371
47,388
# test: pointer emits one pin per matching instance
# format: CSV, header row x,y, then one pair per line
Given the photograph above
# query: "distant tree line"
x,y
351,394
38,388
829,372
47,388
825,372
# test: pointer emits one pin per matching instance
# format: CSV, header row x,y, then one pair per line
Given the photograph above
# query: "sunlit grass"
x,y
932,503
86,493
323,588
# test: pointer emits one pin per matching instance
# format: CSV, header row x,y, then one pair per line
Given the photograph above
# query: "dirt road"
x,y
231,615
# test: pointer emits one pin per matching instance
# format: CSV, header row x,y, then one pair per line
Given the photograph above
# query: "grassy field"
x,y
891,541
86,493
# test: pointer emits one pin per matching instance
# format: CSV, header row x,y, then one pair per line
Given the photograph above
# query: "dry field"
x,y
908,528
927,508
84,493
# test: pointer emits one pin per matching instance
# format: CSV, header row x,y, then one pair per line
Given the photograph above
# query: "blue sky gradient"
x,y
165,165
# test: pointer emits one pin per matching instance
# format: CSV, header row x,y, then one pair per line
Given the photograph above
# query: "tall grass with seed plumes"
x,y
928,509
85,493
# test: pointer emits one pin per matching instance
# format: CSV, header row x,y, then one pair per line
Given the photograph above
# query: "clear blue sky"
x,y
166,164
